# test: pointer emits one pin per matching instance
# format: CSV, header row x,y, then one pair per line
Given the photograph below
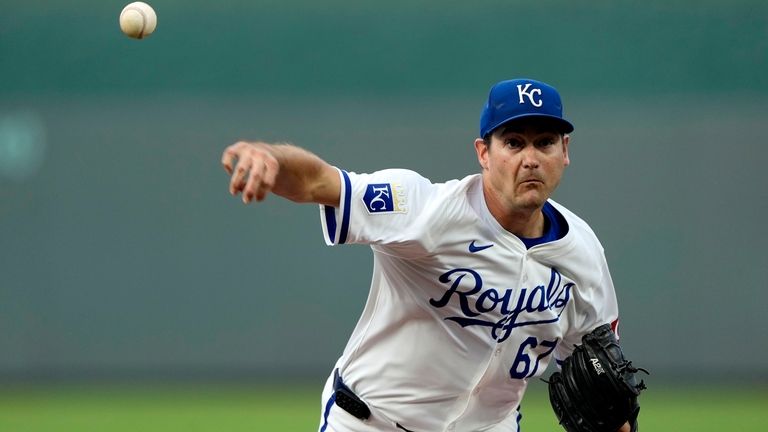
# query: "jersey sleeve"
x,y
381,208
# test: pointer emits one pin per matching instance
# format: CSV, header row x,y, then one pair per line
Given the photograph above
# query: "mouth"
x,y
531,181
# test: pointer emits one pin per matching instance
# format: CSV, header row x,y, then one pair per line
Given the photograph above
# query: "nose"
x,y
530,157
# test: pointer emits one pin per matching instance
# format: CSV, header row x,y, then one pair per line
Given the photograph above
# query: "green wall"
x,y
121,252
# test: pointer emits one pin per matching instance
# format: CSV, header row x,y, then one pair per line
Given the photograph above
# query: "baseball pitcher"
x,y
478,283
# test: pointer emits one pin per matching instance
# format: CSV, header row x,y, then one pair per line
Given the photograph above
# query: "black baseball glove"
x,y
596,390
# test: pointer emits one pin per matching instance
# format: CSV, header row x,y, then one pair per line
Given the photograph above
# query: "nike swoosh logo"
x,y
473,248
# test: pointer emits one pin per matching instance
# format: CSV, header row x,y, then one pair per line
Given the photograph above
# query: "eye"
x,y
513,143
546,142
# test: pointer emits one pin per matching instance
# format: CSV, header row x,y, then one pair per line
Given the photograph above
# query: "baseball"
x,y
138,20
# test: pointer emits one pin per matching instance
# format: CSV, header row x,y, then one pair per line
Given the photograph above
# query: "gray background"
x,y
122,254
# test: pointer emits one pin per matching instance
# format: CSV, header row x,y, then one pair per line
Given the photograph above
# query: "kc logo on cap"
x,y
523,91
519,99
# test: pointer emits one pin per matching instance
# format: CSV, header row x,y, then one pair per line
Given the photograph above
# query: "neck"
x,y
525,222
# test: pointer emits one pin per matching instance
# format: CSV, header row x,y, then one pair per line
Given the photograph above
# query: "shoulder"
x,y
458,189
392,176
454,196
452,209
401,210
578,228
412,177
410,185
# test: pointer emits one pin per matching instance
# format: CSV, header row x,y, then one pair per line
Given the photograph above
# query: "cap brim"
x,y
562,125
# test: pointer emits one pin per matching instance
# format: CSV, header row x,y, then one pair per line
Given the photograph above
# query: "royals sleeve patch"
x,y
385,198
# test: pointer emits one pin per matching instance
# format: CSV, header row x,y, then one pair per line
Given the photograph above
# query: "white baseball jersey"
x,y
460,314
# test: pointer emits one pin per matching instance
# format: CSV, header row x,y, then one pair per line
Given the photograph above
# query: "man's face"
x,y
523,164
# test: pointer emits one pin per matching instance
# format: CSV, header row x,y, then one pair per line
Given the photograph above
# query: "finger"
x,y
228,157
238,176
255,177
269,177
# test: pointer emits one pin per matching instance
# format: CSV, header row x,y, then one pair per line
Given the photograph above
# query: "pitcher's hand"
x,y
255,171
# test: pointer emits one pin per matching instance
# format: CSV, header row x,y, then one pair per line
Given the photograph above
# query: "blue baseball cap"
x,y
522,98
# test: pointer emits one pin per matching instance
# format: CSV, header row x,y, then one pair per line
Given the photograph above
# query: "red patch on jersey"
x,y
615,327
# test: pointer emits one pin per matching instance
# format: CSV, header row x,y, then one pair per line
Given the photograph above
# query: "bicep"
x,y
381,208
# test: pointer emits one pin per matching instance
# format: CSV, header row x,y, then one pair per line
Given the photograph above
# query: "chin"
x,y
535,205
532,200
530,204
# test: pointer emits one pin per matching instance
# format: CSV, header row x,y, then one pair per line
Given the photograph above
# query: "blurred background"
x,y
124,260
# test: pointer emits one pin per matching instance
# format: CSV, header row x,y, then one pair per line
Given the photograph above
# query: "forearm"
x,y
305,177
282,169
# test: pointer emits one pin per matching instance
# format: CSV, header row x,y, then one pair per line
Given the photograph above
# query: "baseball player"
x,y
478,284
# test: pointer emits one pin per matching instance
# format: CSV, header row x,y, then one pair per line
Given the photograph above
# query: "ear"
x,y
482,152
566,141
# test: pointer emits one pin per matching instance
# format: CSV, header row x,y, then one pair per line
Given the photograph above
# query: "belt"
x,y
347,400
